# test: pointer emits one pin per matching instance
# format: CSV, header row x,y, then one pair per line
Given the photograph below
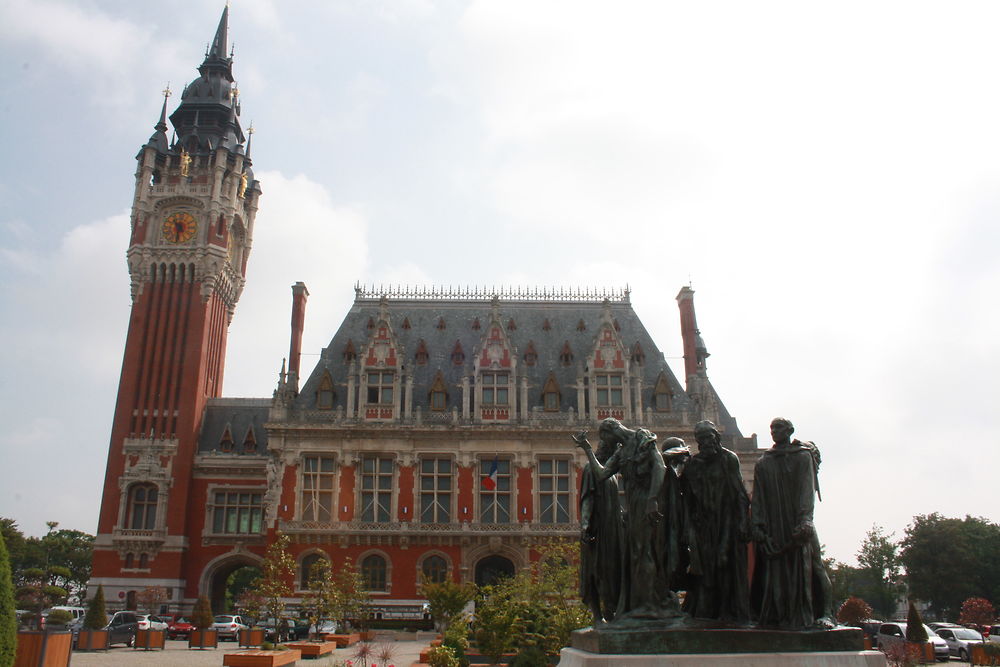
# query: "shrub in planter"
x,y
57,619
442,656
93,636
202,636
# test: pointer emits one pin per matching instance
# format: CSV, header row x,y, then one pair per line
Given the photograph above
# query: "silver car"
x,y
228,626
959,640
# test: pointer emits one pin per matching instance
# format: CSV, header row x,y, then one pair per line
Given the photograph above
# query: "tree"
x,y
321,599
8,619
151,597
915,631
276,570
950,560
70,549
97,615
978,612
351,595
201,617
853,612
880,562
446,599
39,590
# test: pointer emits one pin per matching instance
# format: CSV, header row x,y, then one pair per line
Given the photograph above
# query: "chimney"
x,y
695,352
299,296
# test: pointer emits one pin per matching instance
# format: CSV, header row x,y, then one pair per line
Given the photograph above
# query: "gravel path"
x,y
177,654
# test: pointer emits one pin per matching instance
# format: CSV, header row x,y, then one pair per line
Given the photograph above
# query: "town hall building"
x,y
431,439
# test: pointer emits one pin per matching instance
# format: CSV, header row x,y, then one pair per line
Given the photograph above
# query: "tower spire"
x,y
220,44
158,139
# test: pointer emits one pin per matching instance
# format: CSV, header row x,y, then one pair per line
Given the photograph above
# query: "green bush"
x,y
456,637
202,618
530,656
8,620
58,617
442,656
97,615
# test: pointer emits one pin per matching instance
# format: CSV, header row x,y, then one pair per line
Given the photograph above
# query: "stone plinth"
x,y
691,639
571,657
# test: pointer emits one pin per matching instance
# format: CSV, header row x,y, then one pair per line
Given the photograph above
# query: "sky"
x,y
824,175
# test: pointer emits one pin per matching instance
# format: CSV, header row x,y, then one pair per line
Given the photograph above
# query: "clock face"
x,y
179,227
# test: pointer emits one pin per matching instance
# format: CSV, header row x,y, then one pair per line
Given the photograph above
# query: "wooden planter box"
x,y
261,658
312,649
367,636
978,656
921,652
203,639
92,640
43,649
149,640
251,637
343,641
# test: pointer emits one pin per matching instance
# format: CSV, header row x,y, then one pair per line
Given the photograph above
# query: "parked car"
x,y
994,634
937,625
959,639
228,626
122,628
870,628
895,633
297,628
151,622
178,626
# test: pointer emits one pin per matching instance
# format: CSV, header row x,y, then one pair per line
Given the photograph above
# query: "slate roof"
x,y
239,415
459,316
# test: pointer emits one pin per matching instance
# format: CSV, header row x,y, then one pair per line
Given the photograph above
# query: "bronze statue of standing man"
x,y
791,588
716,520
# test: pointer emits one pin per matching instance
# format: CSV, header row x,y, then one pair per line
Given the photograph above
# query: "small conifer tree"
x,y
97,615
8,619
915,631
202,618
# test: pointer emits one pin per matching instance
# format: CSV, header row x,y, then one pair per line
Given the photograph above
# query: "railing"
x,y
488,293
407,528
139,534
535,419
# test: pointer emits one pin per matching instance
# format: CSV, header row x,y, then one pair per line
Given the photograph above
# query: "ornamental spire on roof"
x,y
220,44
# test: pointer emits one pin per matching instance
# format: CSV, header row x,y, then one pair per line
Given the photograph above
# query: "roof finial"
x,y
250,131
161,125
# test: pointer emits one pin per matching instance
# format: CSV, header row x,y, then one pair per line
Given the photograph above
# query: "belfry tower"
x,y
192,226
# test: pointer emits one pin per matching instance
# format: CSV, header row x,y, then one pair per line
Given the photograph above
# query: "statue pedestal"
x,y
691,644
571,657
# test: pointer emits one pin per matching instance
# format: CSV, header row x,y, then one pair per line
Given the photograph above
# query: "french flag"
x,y
490,481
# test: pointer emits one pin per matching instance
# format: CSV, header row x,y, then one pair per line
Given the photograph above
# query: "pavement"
x,y
177,654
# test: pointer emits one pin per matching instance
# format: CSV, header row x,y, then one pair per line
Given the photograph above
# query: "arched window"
x,y
143,560
305,571
129,560
373,571
438,394
434,569
142,507
550,394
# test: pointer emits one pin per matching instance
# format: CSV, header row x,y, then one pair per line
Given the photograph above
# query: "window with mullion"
x,y
494,504
376,488
609,389
237,513
380,388
142,513
317,488
496,388
553,490
435,490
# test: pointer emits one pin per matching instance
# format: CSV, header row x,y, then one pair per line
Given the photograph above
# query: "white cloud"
x,y
300,234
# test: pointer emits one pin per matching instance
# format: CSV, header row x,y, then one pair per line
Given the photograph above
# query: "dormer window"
x,y
495,388
380,388
530,355
550,394
662,394
349,353
438,394
226,442
457,354
609,390
566,356
421,355
250,440
324,394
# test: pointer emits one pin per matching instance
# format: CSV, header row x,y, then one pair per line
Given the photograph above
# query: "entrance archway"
x,y
491,569
216,578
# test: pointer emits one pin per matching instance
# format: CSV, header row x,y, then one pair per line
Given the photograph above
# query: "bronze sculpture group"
x,y
686,523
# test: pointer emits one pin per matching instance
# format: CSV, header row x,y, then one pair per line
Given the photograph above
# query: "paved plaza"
x,y
177,654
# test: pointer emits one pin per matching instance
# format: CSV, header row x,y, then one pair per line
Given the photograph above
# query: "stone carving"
x,y
716,513
648,537
791,588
